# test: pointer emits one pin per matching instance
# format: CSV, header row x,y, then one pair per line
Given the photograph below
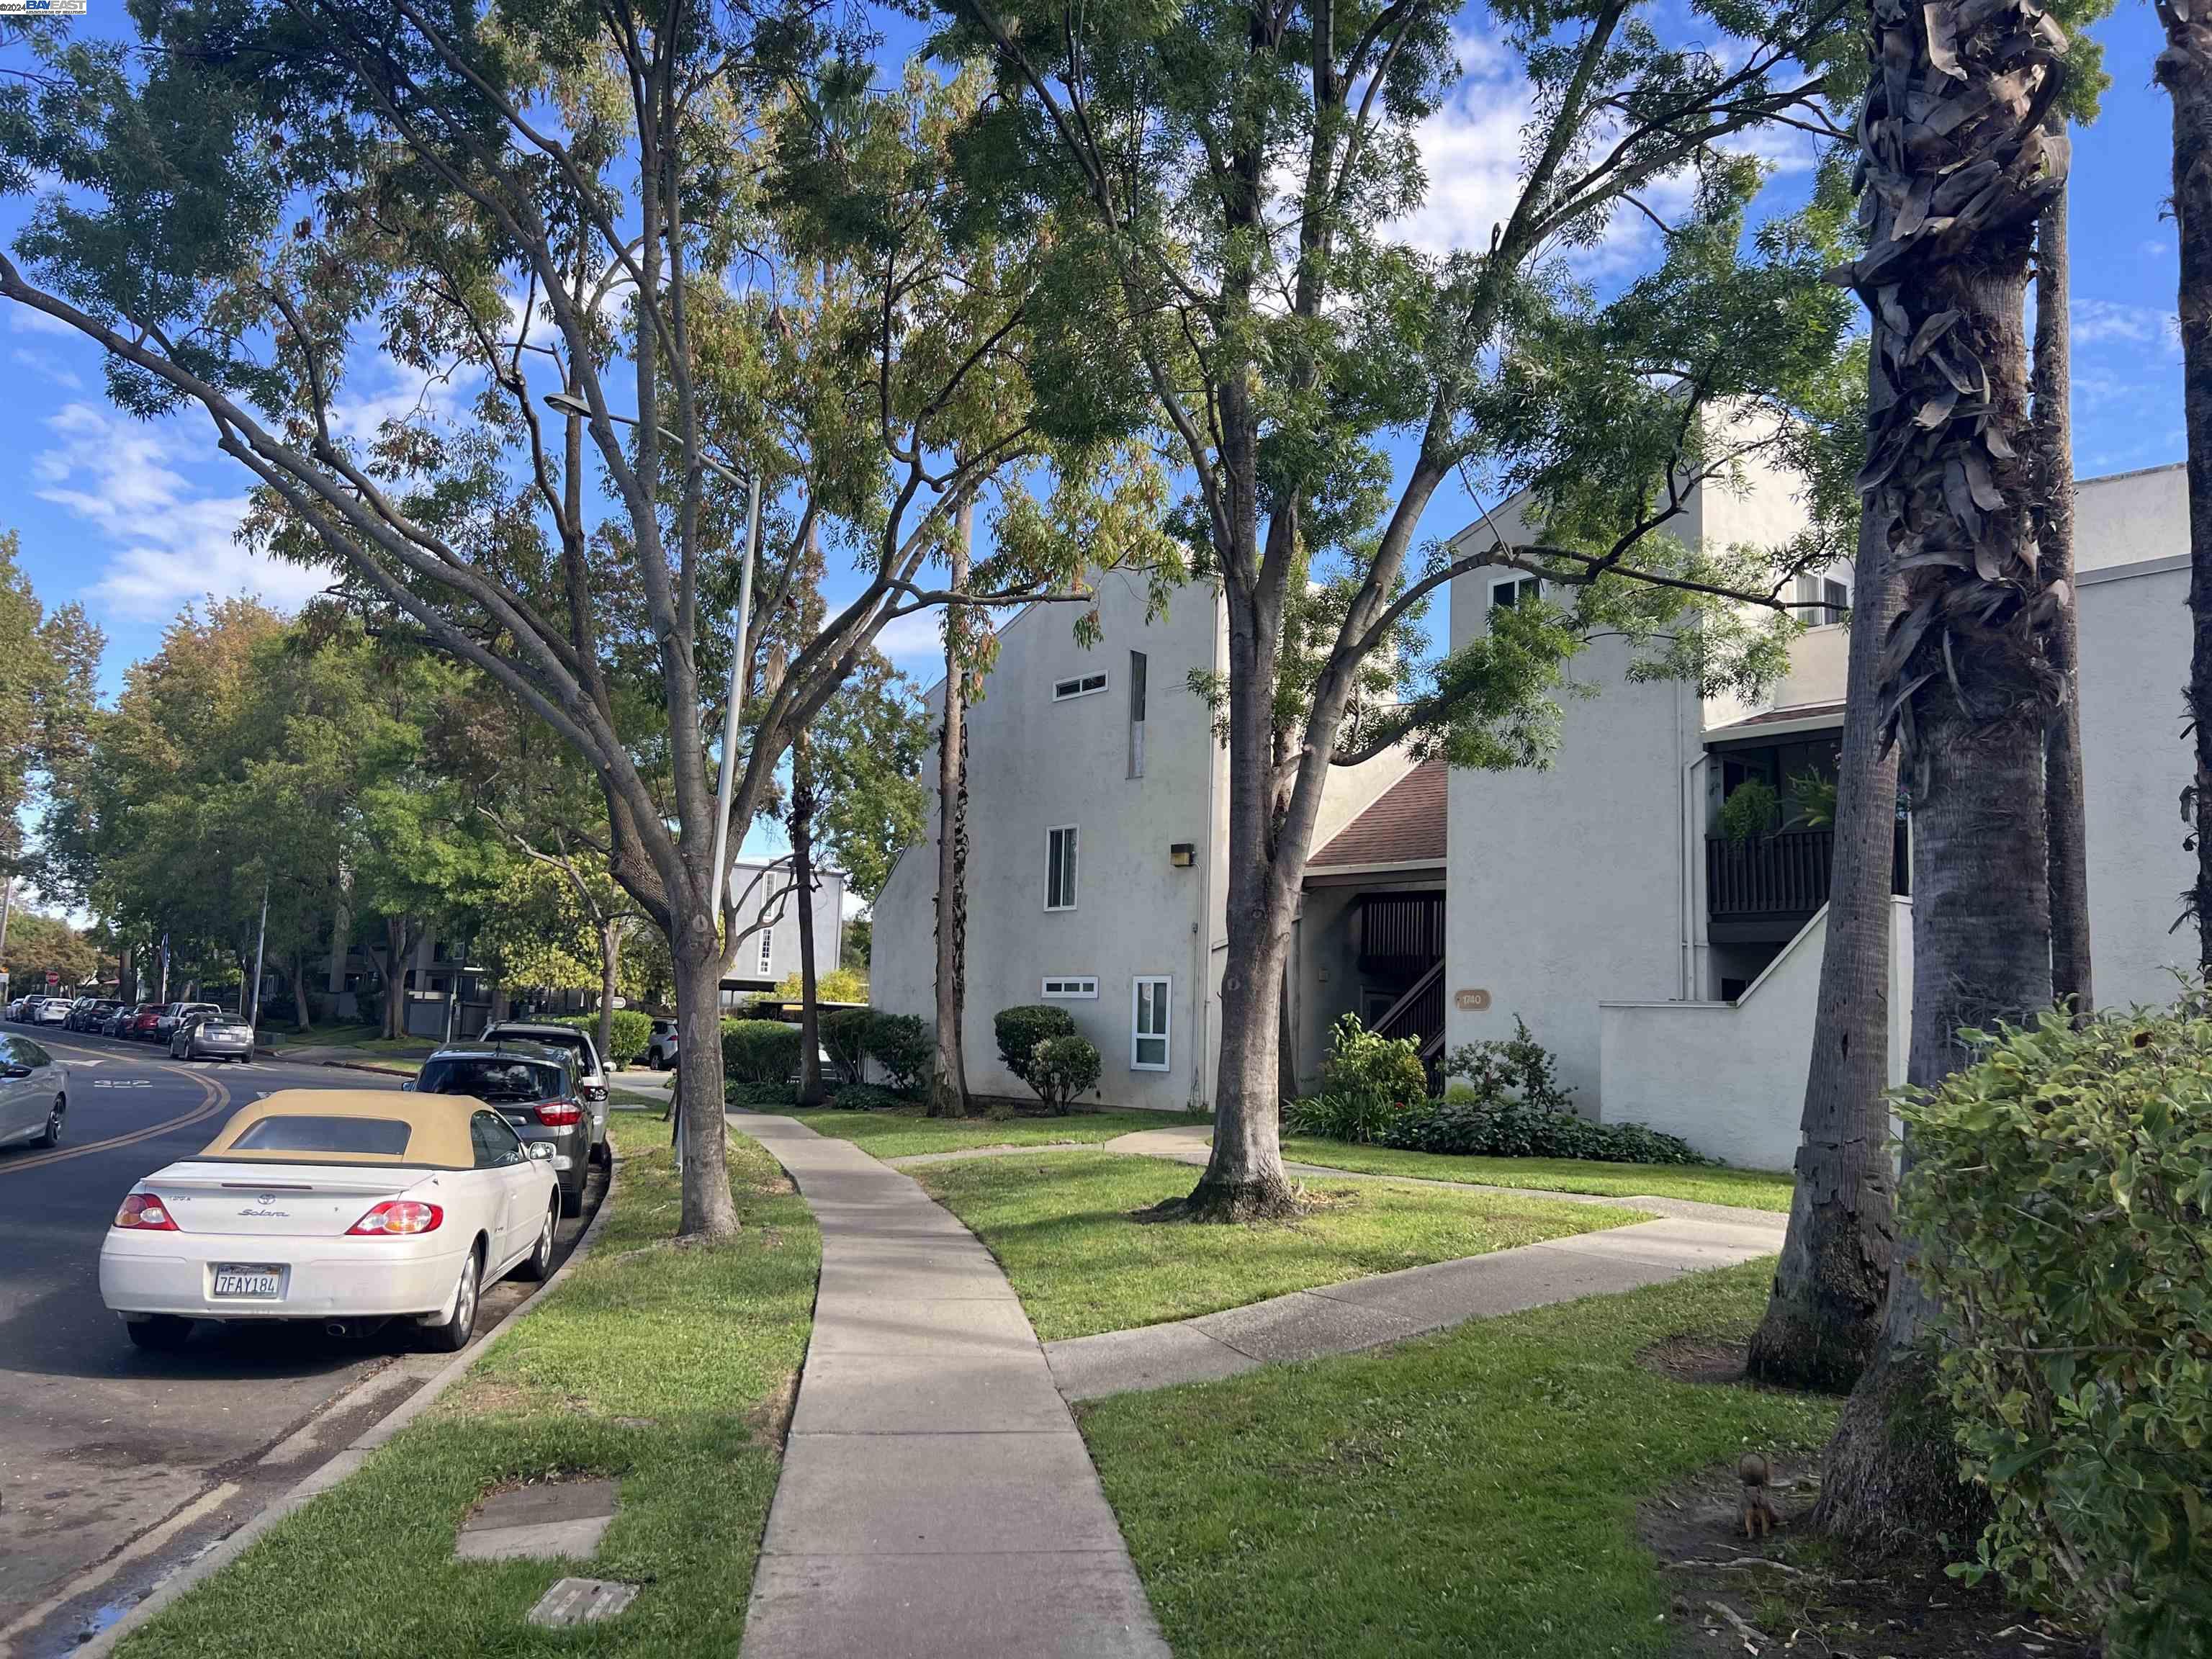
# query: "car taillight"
x,y
559,1113
398,1215
147,1211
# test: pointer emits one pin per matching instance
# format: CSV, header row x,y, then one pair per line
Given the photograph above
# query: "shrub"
x,y
759,1050
1062,1067
906,1047
633,1030
2061,1194
1499,1069
831,985
845,1035
1367,1082
1020,1030
865,1097
1752,810
739,1092
1466,1125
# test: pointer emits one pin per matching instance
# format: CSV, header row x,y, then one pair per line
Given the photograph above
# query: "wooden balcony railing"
x,y
1784,875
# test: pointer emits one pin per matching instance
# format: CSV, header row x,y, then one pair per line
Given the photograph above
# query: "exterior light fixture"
x,y
1181,854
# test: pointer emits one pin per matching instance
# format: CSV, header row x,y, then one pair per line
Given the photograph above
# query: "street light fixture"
x,y
566,402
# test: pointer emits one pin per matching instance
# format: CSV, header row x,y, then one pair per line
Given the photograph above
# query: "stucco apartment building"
x,y
1671,970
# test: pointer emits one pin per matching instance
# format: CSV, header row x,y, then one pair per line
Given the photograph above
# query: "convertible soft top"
x,y
437,1125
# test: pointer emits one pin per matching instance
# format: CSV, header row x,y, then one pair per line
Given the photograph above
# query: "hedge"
x,y
1465,1124
759,1051
1021,1028
845,1033
633,1030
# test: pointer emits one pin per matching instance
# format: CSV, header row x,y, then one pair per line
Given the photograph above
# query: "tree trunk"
x,y
1824,1317
399,944
610,978
2185,70
948,1083
303,1015
708,1207
802,876
2064,798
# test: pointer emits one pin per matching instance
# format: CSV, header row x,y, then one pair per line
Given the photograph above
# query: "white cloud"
x,y
23,320
2102,322
46,363
2156,248
171,540
914,642
1471,151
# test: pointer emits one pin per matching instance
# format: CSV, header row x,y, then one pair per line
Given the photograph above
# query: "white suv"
x,y
590,1077
660,1048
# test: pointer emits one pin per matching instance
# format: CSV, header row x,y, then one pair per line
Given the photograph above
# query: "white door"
x,y
499,1151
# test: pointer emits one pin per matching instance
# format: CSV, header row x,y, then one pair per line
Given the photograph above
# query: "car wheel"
x,y
164,1334
53,1137
540,1263
453,1336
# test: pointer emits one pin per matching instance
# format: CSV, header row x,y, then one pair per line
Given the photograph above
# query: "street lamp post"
x,y
567,403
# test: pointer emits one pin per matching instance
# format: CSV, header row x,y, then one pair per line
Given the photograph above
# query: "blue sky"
x,y
135,519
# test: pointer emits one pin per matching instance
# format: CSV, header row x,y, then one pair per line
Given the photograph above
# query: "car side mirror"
x,y
13,1070
541,1152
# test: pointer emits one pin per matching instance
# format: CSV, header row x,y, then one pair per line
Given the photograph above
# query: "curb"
x,y
364,1066
228,1549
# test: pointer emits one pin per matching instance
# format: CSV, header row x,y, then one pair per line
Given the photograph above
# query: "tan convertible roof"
x,y
438,1124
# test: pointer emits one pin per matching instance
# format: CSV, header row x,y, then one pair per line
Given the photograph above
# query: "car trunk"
x,y
281,1200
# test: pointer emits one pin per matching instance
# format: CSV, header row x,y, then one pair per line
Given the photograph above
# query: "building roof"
x,y
1405,825
1803,711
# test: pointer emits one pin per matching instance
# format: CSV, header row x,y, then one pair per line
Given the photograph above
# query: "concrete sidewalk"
x,y
936,1497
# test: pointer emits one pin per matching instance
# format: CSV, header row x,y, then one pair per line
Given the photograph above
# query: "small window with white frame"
x,y
767,952
1511,592
1081,686
1059,851
1149,998
1071,987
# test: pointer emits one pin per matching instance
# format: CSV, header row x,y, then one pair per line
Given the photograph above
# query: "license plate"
x,y
248,1281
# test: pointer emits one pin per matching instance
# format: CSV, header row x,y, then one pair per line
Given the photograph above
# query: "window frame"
x,y
764,963
1165,1035
1080,685
1140,676
1513,585
1072,868
1063,994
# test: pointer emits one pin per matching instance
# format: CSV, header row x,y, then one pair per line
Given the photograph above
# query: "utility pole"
x,y
6,908
260,939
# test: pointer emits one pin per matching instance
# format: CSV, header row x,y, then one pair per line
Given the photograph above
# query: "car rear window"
x,y
384,1136
222,1019
490,1077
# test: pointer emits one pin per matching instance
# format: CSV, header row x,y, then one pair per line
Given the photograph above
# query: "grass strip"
x,y
1060,1225
1749,1189
906,1132
1471,1492
667,1366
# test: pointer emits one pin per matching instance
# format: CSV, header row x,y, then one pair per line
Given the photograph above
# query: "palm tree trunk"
x,y
948,1084
1945,279
802,876
2064,800
1824,1316
2185,70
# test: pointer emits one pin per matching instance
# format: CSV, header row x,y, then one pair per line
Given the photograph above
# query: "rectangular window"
x,y
1509,593
1136,714
1148,1023
1082,685
1822,599
1067,986
767,952
1060,867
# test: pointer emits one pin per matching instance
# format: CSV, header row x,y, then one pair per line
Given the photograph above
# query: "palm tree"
x,y
1957,166
948,1085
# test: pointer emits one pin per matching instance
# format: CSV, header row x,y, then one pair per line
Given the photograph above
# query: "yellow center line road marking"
x,y
215,1097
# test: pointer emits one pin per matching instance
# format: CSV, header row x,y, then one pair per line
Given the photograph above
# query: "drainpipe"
x,y
1691,839
1201,995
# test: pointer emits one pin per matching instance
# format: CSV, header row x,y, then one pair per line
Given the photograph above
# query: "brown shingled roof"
x,y
1405,825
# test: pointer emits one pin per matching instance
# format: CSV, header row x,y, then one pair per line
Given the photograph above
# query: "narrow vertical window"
x,y
768,952
1136,714
1060,845
1149,997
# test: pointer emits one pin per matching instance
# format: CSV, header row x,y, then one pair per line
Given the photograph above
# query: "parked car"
x,y
118,1024
165,1022
16,1008
75,1011
533,1089
34,1093
142,1023
584,1067
211,1037
94,1014
54,1011
348,1207
660,1046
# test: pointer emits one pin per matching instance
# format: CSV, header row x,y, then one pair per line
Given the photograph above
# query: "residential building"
x,y
764,891
1097,820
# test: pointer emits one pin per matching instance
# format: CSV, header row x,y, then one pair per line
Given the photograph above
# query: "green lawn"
x,y
1471,1492
1751,1190
902,1133
657,1364
1060,1224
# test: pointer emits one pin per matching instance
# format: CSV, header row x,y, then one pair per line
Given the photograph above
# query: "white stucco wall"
x,y
2131,516
764,889
1729,1077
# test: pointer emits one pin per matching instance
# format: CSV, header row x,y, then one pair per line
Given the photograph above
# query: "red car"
x,y
143,1022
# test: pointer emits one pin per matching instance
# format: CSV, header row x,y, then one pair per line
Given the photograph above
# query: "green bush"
x,y
1019,1029
865,1097
759,1051
906,1047
2061,1192
1367,1082
1752,810
1062,1067
736,1092
633,1030
1501,1070
1466,1125
845,1035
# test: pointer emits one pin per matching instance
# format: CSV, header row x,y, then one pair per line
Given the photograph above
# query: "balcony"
x,y
1768,888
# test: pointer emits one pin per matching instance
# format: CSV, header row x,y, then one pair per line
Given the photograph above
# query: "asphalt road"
x,y
117,1465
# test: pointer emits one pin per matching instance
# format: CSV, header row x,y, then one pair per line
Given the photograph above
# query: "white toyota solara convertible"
x,y
349,1207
